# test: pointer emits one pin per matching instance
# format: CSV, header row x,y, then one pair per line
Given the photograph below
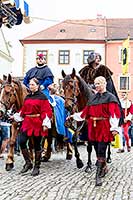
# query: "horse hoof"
x,y
79,164
109,160
68,157
44,159
88,169
9,167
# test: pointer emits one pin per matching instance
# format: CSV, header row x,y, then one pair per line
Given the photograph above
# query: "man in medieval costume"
x,y
127,107
95,69
102,113
42,73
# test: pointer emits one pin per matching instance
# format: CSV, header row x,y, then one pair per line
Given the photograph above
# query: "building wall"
x,y
113,62
110,56
76,56
5,66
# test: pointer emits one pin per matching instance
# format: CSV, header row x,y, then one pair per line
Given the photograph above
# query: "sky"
x,y
45,13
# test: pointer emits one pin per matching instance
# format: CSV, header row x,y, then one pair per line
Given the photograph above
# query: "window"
x,y
124,83
44,52
85,55
64,57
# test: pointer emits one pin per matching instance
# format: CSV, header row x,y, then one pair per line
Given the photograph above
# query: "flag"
x,y
23,5
125,56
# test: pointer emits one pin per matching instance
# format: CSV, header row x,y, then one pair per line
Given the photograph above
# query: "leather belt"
x,y
95,119
34,115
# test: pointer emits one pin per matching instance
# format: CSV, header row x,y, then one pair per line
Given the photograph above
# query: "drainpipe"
x,y
105,35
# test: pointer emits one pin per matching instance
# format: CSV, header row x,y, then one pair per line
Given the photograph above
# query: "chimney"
x,y
99,16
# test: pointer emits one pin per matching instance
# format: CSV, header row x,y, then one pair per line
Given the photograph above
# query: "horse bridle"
x,y
74,89
7,102
72,123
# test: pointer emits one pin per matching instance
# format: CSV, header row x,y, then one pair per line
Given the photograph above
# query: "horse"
x,y
77,93
12,97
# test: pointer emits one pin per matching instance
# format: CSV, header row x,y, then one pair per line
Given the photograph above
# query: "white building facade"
x,y
5,57
76,56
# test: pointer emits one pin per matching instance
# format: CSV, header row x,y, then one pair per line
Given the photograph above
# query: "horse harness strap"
x,y
34,115
95,119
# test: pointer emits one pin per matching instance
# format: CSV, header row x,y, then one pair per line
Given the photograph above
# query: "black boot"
x,y
98,172
88,167
104,169
36,168
28,165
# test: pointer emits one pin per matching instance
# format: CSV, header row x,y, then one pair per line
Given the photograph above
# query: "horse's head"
x,y
71,89
76,91
11,94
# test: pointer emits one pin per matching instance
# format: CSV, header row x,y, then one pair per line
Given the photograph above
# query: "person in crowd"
x,y
4,132
102,113
4,137
127,107
130,131
60,113
35,114
42,72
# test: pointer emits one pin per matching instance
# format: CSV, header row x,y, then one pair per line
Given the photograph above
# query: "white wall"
x,y
5,67
76,56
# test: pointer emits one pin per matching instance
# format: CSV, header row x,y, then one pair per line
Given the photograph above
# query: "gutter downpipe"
x,y
105,34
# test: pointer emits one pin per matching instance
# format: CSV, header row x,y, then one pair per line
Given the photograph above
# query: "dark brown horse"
x,y
77,93
12,95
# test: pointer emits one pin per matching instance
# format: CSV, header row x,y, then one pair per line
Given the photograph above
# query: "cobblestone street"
x,y
60,179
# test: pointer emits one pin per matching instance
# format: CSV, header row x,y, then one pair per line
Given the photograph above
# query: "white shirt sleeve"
x,y
76,116
129,117
17,117
46,122
114,122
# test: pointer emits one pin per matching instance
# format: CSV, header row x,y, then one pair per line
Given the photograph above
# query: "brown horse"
x,y
12,95
77,93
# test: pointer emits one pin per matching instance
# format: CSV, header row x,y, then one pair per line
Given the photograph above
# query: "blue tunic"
x,y
44,76
60,115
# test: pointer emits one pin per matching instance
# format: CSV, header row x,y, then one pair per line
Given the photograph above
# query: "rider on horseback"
x,y
42,72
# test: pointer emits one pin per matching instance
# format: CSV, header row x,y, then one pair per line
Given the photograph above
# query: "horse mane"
x,y
84,88
21,92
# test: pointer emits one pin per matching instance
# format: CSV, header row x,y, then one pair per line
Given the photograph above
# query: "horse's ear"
x,y
9,78
63,73
73,74
1,81
4,77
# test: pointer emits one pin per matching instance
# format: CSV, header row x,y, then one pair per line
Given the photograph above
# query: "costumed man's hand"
x,y
125,121
114,133
45,128
69,117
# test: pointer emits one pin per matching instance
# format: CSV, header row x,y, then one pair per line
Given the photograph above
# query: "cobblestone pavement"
x,y
59,179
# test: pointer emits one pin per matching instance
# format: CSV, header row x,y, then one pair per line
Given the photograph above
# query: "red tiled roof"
x,y
93,29
119,28
89,29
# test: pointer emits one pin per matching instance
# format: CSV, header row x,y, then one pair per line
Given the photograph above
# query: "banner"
x,y
23,5
125,56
